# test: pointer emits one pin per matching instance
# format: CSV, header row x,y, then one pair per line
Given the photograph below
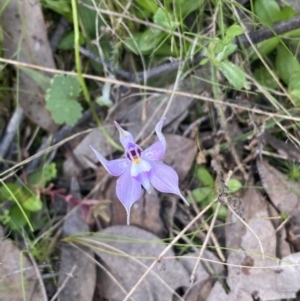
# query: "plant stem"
x,y
81,79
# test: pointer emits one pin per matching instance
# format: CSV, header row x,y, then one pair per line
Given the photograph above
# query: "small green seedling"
x,y
27,196
208,191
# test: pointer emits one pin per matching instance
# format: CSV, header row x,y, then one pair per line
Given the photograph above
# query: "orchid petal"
x,y
141,172
125,137
128,191
114,167
165,179
157,150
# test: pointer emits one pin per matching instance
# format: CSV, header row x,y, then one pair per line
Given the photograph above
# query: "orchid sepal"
x,y
113,167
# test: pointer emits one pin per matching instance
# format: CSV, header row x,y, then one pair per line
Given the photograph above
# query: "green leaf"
x,y
227,50
24,196
62,7
150,39
211,197
234,74
294,80
205,177
287,12
163,18
88,18
234,185
10,188
149,7
187,6
263,76
17,218
232,32
200,194
293,33
40,178
14,192
32,204
222,211
296,96
61,99
217,46
268,11
204,61
294,88
264,48
67,41
286,63
131,42
4,217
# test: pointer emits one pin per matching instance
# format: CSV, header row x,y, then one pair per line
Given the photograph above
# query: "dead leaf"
x,y
201,158
294,237
258,282
127,257
145,214
27,42
199,291
147,113
288,275
81,284
15,266
83,157
180,154
218,293
205,274
285,149
283,193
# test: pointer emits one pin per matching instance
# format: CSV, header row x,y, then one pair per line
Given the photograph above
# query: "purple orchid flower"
x,y
141,168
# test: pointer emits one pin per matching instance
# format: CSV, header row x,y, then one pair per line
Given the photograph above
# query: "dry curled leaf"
x,y
248,272
283,193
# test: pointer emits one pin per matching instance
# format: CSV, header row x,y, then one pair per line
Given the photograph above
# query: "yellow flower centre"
x,y
136,160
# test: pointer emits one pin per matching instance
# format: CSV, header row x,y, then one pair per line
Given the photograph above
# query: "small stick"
x,y
192,278
69,275
213,237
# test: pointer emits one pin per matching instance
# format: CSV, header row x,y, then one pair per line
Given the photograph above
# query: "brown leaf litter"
x,y
28,41
16,271
81,284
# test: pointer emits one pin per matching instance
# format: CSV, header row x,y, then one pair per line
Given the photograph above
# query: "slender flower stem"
x,y
81,79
